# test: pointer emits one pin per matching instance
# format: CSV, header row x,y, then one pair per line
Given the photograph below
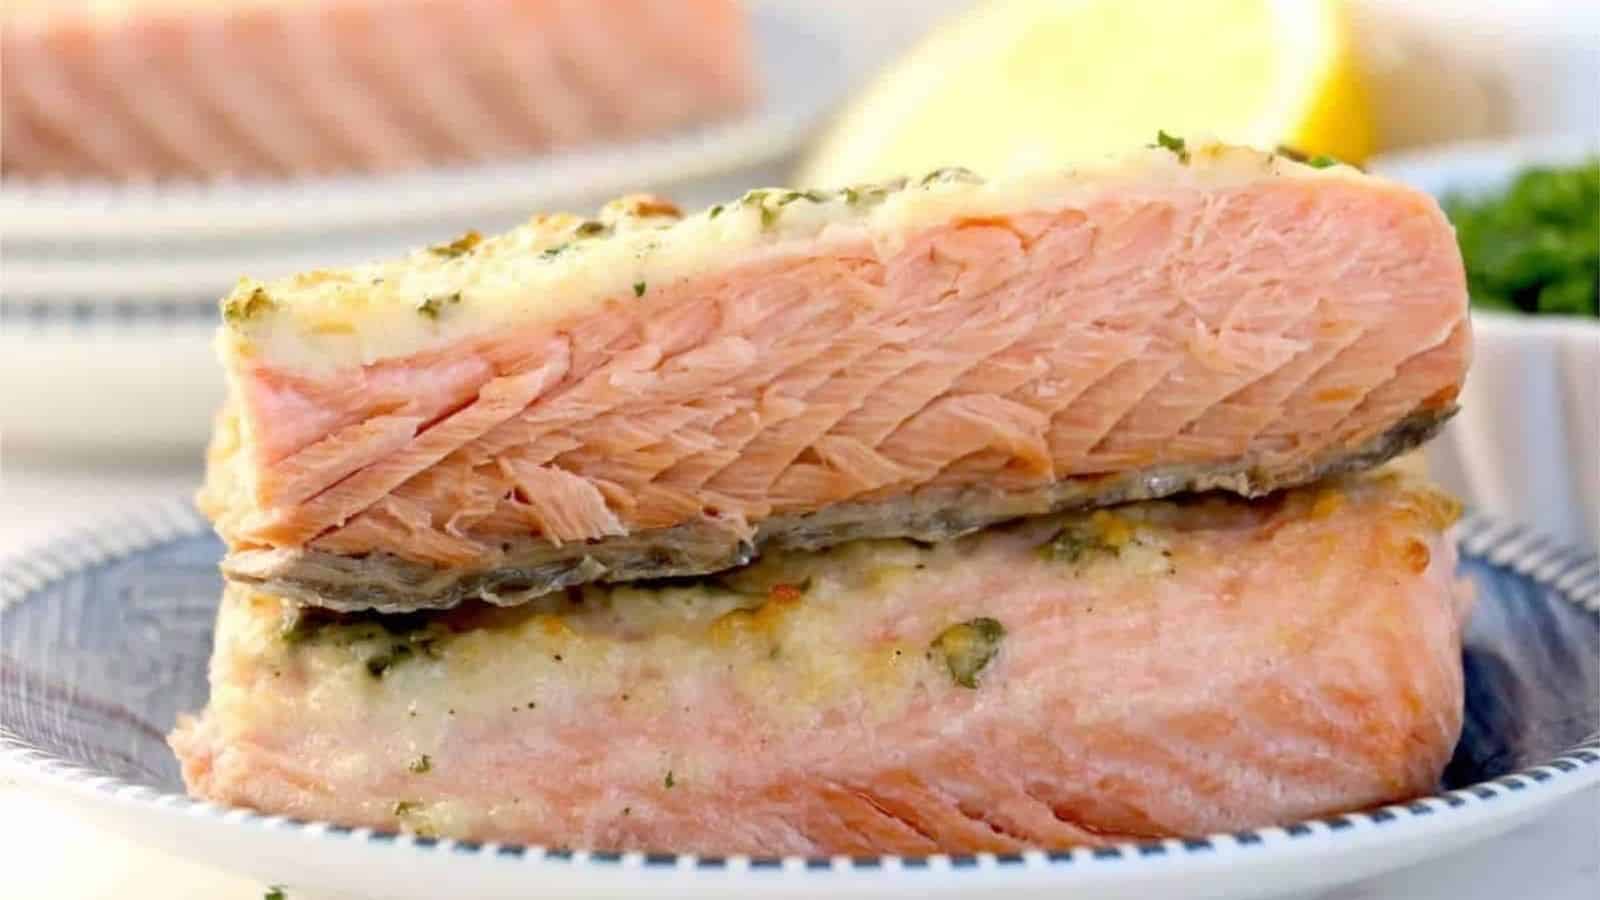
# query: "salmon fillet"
x,y
1160,669
188,89
645,394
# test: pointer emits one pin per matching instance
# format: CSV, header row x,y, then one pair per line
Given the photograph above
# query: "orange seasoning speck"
x,y
784,593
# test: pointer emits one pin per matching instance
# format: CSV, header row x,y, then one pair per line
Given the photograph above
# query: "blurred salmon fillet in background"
x,y
1165,668
282,88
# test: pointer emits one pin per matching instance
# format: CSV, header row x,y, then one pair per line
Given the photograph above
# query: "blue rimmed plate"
x,y
104,639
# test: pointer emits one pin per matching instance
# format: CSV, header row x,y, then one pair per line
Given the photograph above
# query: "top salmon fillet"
x,y
645,394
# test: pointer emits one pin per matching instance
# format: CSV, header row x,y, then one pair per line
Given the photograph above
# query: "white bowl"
x,y
1526,444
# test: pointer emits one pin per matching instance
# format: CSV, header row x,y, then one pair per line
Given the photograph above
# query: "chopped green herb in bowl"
x,y
1535,246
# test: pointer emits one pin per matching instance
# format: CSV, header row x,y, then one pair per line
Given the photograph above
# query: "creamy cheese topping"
x,y
558,266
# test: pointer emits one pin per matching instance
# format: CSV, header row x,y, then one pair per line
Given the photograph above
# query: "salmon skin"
x,y
645,394
257,88
1155,670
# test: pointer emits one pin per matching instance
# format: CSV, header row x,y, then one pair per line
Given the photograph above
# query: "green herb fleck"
x,y
591,228
379,663
950,174
274,892
405,807
421,765
638,289
968,647
258,301
1174,144
1322,161
669,781
758,199
432,306
458,247
865,194
297,626
715,211
1076,543
553,252
1534,247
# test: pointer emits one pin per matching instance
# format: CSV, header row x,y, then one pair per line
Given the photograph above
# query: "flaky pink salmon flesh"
x,y
141,89
1161,669
646,395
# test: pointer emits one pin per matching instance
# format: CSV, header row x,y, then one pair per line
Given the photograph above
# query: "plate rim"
x,y
1573,573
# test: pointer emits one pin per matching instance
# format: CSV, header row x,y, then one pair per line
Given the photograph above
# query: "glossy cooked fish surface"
x,y
646,394
137,89
1158,669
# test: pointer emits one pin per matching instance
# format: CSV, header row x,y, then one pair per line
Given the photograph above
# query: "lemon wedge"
x,y
1024,84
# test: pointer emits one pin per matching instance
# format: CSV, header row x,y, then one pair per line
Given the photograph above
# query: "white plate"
x,y
104,638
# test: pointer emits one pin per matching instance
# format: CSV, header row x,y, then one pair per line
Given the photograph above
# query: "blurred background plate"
x,y
804,61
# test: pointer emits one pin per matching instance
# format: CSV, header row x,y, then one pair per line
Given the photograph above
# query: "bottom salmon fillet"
x,y
1160,669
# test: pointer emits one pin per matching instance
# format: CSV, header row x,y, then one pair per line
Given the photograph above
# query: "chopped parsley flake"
x,y
715,211
274,892
421,765
950,174
432,306
553,252
458,247
669,781
379,663
254,303
591,228
758,200
1175,144
1076,543
968,647
404,807
865,194
1321,161
814,196
638,288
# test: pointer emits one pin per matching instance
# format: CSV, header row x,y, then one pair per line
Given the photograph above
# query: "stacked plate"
x,y
109,290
